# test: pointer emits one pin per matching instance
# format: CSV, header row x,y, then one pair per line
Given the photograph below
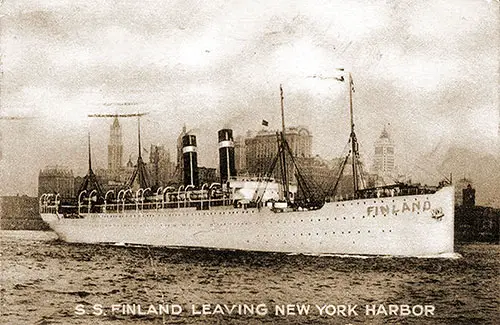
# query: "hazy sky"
x,y
430,69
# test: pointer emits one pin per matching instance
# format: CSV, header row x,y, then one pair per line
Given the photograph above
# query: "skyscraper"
x,y
115,147
240,155
383,164
161,168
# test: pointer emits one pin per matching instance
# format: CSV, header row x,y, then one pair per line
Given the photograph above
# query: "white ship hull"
x,y
415,225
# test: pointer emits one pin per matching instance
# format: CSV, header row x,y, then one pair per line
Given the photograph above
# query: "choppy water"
x,y
46,281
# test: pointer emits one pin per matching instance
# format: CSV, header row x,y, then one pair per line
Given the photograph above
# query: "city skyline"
x,y
429,71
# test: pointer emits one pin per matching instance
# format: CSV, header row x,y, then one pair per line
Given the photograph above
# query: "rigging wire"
x,y
345,152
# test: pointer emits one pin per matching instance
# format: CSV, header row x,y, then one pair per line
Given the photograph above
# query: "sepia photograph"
x,y
250,162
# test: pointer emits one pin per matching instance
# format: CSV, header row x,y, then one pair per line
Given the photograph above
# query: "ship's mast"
x,y
282,111
141,168
140,171
357,171
354,143
90,180
139,134
282,149
90,154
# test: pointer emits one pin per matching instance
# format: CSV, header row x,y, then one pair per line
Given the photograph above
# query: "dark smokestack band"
x,y
190,160
226,155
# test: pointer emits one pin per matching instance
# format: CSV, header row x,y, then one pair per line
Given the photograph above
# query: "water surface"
x,y
47,281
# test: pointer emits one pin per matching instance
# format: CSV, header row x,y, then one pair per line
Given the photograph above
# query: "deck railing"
x,y
141,200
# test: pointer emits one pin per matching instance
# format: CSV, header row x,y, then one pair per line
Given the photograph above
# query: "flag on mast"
x,y
265,123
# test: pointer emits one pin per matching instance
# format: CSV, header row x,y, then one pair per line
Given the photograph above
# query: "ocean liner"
x,y
260,215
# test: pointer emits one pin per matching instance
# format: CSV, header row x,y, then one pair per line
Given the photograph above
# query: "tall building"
x,y
262,148
240,155
383,164
161,168
460,186
56,179
115,147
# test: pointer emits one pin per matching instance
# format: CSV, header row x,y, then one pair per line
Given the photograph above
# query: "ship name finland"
x,y
385,209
